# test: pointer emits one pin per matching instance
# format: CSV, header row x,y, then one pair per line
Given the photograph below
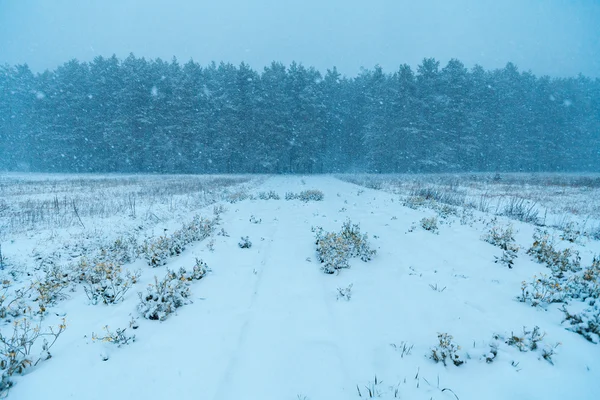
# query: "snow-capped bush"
x,y
270,195
237,196
414,202
558,261
503,237
20,350
430,224
105,281
335,249
122,251
245,243
528,341
345,293
14,305
118,337
311,195
446,350
255,220
164,297
571,232
586,323
306,195
49,289
158,251
199,271
291,196
543,291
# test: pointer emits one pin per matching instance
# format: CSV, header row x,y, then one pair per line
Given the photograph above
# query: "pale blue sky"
x,y
554,37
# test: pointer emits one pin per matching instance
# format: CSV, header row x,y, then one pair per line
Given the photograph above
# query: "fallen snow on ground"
x,y
267,323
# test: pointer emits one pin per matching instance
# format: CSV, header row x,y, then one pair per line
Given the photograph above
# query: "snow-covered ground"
x,y
267,323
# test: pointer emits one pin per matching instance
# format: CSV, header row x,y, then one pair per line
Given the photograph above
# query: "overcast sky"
x,y
553,37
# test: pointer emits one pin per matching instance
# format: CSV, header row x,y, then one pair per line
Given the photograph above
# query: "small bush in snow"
x,y
571,232
245,243
255,220
558,261
164,296
198,272
503,237
311,195
345,293
49,289
105,281
121,251
18,351
237,196
542,291
157,251
414,202
528,341
335,249
586,323
446,350
306,195
14,305
430,224
270,195
118,337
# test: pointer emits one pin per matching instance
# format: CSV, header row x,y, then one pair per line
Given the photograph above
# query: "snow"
x,y
266,322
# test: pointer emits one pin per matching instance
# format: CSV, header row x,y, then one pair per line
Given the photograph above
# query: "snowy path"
x,y
265,324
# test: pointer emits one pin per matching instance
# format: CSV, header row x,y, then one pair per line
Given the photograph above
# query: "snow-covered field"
x,y
265,322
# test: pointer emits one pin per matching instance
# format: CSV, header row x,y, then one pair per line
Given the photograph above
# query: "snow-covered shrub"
x,y
586,323
122,251
446,350
528,341
345,293
118,337
20,350
430,224
237,196
571,232
558,261
305,195
49,289
105,281
199,270
164,297
270,195
542,291
594,232
357,242
503,237
15,304
335,249
414,202
245,243
500,236
158,251
311,195
255,220
444,210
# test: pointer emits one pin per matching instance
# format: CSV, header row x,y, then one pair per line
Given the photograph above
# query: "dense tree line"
x,y
136,115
